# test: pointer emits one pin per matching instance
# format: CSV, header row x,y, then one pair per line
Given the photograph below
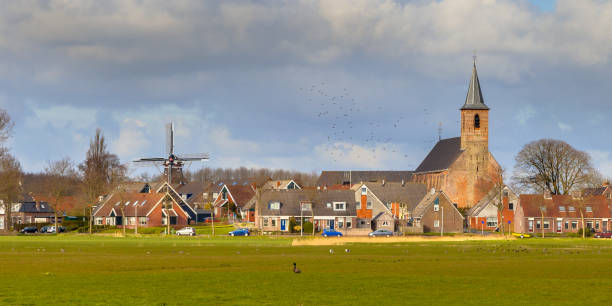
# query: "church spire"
x,y
474,99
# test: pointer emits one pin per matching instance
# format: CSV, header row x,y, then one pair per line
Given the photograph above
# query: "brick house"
x,y
140,209
463,166
561,213
240,195
436,213
380,205
28,212
331,209
486,214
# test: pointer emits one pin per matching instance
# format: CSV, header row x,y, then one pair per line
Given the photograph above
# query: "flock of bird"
x,y
354,130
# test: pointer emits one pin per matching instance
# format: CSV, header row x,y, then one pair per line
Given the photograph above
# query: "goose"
x,y
295,269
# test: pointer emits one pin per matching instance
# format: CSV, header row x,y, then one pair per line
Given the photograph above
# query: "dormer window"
x,y
476,121
274,205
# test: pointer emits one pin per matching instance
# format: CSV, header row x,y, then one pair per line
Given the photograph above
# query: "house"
x,y
132,210
436,213
561,213
380,205
280,185
236,201
463,166
27,212
331,209
196,196
346,179
604,190
486,215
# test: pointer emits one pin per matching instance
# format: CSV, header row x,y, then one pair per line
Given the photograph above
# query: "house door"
x,y
331,225
283,224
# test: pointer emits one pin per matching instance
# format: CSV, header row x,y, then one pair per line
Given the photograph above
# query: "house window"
x,y
589,209
265,221
558,226
329,205
306,206
340,223
215,195
538,225
574,224
436,223
385,223
273,222
173,220
589,224
349,223
339,205
476,121
364,191
546,224
492,221
274,206
571,209
436,207
597,225
531,225
142,220
561,208
510,206
369,205
566,224
224,194
164,220
99,221
358,204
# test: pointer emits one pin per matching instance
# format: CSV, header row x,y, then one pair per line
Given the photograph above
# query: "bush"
x,y
588,232
307,227
292,224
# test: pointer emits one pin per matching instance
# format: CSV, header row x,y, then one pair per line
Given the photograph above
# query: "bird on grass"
x,y
331,251
347,250
295,269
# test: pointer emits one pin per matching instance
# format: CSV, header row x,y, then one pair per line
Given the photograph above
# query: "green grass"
x,y
257,270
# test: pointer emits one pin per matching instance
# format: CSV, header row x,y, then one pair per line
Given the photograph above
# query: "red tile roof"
x,y
149,200
532,203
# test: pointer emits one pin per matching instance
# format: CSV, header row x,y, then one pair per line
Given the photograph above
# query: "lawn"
x,y
75,269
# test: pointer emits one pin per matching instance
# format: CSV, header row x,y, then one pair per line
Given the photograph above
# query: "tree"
x,y
99,169
553,166
60,179
10,185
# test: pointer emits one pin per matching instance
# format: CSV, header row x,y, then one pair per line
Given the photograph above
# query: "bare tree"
x,y
60,174
553,166
10,185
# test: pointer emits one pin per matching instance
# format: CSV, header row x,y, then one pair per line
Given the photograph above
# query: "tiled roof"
x,y
290,202
409,193
331,178
532,203
442,156
31,207
277,184
145,202
594,191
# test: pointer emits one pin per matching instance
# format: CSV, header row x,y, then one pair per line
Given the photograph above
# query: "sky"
x,y
302,85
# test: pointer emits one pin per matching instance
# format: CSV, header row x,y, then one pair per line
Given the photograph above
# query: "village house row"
x,y
456,187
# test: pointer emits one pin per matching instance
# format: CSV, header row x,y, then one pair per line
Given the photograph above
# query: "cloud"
x,y
345,155
565,127
132,138
524,114
602,161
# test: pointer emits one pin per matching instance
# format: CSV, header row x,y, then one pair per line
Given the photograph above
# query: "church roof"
x,y
474,99
442,156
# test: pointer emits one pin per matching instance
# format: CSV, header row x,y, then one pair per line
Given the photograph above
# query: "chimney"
x,y
277,184
403,183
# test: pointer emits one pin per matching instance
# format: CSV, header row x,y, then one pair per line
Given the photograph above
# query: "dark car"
x,y
603,235
44,229
29,230
381,233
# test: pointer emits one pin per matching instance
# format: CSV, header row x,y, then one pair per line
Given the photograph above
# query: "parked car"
x,y
240,232
603,235
381,233
210,220
186,231
52,229
28,230
331,233
44,229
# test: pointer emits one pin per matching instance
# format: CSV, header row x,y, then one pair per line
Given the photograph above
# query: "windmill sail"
x,y
169,138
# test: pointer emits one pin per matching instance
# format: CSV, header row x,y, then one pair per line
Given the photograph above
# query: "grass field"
x,y
251,270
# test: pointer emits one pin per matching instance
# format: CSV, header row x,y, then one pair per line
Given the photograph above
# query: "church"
x,y
462,166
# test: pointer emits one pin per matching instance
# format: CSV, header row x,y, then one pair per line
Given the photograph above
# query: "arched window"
x,y
477,121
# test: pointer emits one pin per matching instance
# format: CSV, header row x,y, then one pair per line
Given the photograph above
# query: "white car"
x,y
186,231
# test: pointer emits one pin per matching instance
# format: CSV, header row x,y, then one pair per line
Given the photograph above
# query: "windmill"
x,y
173,163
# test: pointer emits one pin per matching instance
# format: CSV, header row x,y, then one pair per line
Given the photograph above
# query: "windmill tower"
x,y
173,163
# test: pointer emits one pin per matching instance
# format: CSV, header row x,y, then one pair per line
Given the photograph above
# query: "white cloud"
x,y
602,161
565,127
65,117
132,138
224,142
524,114
345,155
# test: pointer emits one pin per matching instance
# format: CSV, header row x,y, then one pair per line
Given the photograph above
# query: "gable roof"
x,y
290,202
531,203
140,209
409,193
331,178
428,201
240,194
594,191
279,184
442,156
31,207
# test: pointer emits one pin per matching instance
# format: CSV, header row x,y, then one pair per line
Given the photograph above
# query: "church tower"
x,y
475,135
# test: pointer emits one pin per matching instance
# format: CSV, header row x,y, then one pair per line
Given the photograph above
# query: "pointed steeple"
x,y
474,99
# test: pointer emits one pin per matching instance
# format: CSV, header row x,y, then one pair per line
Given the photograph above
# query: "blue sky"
x,y
304,85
